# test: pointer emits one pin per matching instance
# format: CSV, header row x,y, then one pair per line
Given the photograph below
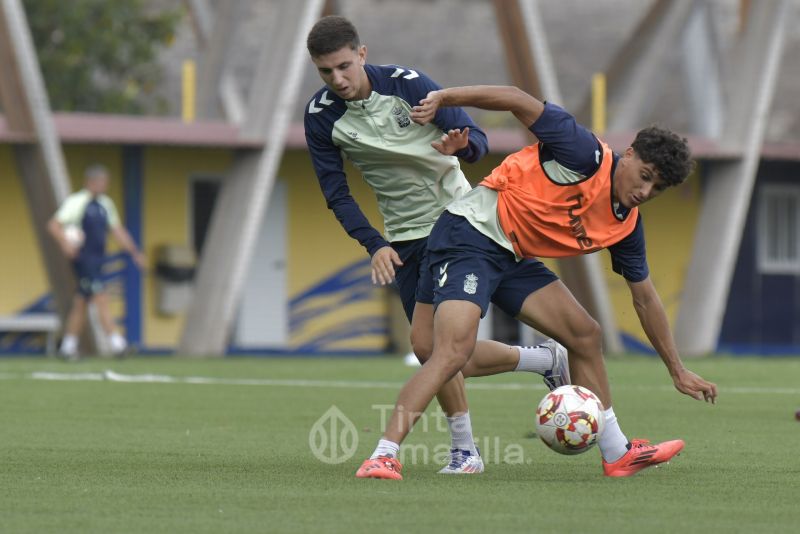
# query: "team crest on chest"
x,y
401,116
470,284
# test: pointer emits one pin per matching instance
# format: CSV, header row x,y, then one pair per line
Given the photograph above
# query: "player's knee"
x,y
587,340
450,360
422,347
454,365
471,369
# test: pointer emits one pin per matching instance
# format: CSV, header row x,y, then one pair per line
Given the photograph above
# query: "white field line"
x,y
111,376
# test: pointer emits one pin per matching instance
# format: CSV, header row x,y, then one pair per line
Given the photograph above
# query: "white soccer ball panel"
x,y
74,235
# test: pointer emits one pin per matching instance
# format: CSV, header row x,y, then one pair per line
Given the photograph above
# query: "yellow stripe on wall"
x,y
165,221
24,279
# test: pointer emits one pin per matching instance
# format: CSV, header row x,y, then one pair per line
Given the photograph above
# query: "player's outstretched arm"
x,y
492,97
654,322
126,242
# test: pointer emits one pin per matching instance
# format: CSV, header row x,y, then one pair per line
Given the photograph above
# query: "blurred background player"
x,y
567,195
80,226
363,112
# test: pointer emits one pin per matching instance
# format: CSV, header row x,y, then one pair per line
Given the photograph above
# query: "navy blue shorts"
x,y
467,265
413,279
89,271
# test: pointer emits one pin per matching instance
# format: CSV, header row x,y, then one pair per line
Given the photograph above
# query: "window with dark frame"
x,y
779,230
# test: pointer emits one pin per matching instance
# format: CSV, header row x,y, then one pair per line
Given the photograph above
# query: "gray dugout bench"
x,y
47,323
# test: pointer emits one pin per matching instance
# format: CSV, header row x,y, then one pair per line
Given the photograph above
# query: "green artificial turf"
x,y
176,455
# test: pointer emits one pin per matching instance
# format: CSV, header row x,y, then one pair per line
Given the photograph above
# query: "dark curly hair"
x,y
666,151
330,34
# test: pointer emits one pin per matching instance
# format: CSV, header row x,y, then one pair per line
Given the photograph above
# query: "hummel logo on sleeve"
x,y
323,100
410,76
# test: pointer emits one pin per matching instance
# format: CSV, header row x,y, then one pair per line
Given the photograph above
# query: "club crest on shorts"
x,y
470,284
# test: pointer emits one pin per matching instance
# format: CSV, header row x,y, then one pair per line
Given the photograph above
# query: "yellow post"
x,y
599,103
744,10
188,91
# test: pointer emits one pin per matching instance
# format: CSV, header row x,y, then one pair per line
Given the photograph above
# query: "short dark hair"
x,y
666,151
94,171
330,34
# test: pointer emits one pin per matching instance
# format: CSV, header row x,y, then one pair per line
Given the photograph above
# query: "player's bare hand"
x,y
140,260
695,386
426,110
452,141
383,263
70,251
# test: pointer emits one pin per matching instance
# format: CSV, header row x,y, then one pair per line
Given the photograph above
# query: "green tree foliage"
x,y
100,55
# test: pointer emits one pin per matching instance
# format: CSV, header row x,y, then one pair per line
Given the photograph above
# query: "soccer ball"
x,y
570,419
74,235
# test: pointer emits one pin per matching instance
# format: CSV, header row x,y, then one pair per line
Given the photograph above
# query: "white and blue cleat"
x,y
558,375
463,462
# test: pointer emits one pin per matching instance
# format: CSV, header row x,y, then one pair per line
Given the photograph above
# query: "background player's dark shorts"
x,y
467,265
413,279
88,270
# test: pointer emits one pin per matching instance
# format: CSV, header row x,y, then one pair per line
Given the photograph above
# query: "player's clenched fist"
x,y
426,110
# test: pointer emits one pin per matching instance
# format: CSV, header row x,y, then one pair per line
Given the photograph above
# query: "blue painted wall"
x,y
763,310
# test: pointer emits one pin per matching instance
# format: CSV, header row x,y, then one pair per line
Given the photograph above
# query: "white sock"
x,y
537,359
118,343
69,345
613,443
386,448
461,433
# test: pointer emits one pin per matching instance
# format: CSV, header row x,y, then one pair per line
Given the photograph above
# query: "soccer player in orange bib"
x,y
566,195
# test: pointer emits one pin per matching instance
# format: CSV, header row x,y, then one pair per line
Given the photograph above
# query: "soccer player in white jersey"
x,y
362,112
80,226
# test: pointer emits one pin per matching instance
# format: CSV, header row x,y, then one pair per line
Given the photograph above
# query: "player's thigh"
x,y
422,330
100,299
466,268
461,297
519,280
90,276
554,311
79,303
455,331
